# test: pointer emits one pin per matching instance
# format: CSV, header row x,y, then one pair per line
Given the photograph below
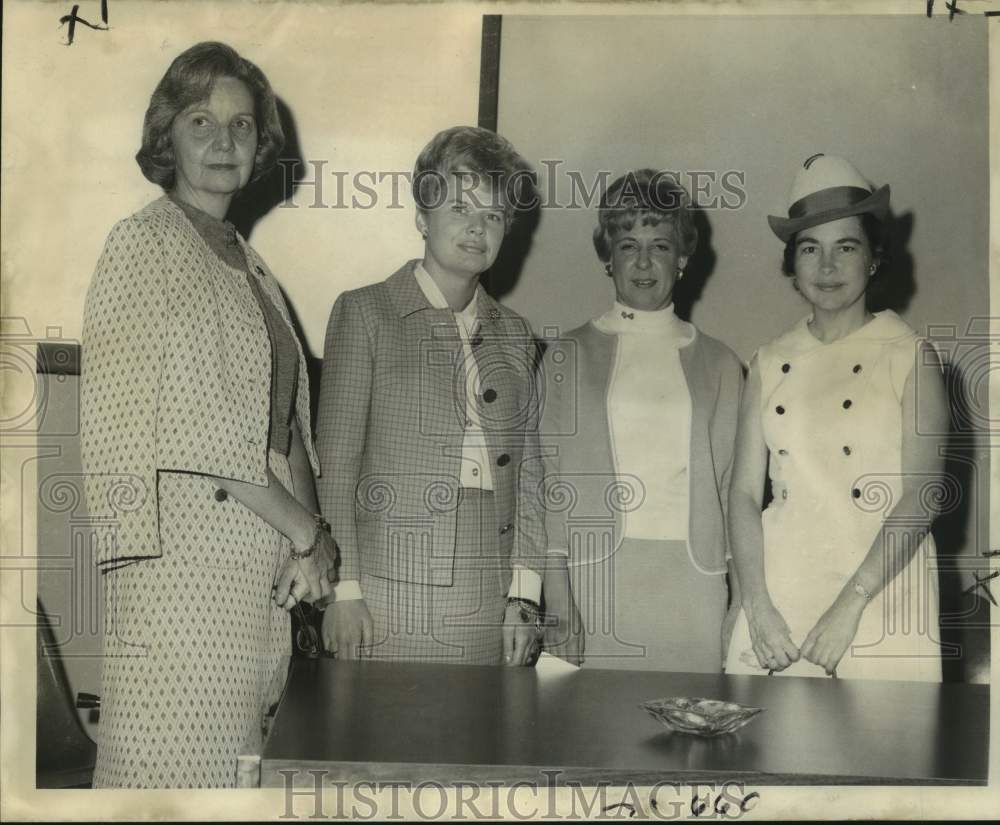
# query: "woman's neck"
x,y
215,205
458,289
828,327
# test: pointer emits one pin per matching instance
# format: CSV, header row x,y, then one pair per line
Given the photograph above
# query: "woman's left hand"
x,y
827,642
307,578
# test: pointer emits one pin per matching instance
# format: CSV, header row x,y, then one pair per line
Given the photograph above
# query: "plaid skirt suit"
x,y
176,379
434,559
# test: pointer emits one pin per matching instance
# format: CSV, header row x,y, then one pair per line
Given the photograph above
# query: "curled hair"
x,y
649,197
190,80
876,233
485,157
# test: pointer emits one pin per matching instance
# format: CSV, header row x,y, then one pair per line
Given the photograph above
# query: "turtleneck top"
x,y
649,416
221,237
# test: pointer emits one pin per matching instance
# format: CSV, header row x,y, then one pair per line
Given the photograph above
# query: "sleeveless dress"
x,y
832,419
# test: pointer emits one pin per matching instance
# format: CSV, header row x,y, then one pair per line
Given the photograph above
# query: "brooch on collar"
x,y
629,315
494,314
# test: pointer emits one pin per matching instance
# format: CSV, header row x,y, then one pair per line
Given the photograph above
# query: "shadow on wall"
x,y
699,269
503,276
894,285
266,194
965,617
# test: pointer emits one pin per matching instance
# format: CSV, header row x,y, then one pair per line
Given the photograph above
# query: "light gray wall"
x,y
904,98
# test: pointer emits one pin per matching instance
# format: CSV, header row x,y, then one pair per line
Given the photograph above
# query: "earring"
x,y
872,269
607,270
680,273
424,235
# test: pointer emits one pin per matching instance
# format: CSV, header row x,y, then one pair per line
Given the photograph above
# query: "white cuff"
x,y
526,584
347,591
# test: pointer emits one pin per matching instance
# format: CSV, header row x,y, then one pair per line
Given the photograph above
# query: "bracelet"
x,y
862,591
530,612
322,525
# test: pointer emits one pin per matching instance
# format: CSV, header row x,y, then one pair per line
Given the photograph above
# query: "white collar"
x,y
435,297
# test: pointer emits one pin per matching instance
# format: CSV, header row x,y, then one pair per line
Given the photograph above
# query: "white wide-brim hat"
x,y
828,188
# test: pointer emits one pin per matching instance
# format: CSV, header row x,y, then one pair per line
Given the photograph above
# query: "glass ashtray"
x,y
701,717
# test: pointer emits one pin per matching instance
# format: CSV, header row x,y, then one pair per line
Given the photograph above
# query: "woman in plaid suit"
x,y
426,413
196,446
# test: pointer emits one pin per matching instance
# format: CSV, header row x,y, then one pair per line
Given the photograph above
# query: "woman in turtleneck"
x,y
638,428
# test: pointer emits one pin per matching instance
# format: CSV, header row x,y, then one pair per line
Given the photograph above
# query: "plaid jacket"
x,y
390,428
176,377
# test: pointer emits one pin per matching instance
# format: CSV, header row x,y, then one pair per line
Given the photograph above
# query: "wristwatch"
x,y
862,591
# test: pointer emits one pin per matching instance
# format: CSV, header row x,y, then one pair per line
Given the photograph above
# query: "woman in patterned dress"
x,y
196,445
846,413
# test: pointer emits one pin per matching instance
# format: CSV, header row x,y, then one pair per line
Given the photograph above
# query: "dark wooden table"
x,y
419,723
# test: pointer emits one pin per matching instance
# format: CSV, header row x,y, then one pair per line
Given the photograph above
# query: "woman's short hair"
x,y
489,158
189,80
876,233
649,197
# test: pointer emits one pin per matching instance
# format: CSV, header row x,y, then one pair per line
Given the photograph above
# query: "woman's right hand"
x,y
769,633
347,628
306,579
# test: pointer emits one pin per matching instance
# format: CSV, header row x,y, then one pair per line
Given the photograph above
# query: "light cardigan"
x,y
176,375
583,493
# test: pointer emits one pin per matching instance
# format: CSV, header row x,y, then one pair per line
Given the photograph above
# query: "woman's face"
x,y
215,142
644,264
464,234
832,264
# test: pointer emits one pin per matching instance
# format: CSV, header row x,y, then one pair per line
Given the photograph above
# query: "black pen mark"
x,y
73,18
618,806
990,553
951,5
983,583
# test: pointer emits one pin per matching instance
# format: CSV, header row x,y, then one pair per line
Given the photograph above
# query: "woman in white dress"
x,y
638,428
846,413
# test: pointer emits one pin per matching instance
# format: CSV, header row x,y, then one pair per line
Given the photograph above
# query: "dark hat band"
x,y
836,197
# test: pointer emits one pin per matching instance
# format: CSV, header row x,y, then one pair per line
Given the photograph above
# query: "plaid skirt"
x,y
455,624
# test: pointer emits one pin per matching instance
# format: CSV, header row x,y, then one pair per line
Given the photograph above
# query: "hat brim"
x,y
877,204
